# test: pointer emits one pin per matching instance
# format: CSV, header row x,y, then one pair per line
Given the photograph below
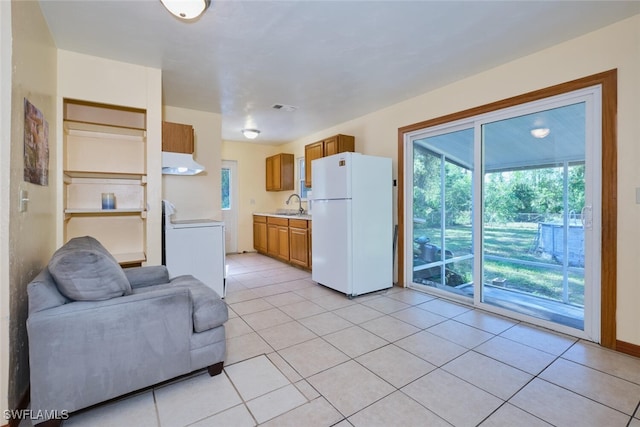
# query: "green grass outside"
x,y
515,241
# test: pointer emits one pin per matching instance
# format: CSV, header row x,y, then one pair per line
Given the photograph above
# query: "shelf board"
x,y
104,211
130,257
75,126
107,175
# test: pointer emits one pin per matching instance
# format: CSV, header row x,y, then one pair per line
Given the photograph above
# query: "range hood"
x,y
180,164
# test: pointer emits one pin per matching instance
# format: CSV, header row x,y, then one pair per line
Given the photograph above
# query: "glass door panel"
x,y
533,234
442,212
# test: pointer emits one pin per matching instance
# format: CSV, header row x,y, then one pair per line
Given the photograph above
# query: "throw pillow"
x,y
85,271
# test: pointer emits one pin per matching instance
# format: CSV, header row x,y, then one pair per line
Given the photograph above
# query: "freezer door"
x,y
331,177
331,244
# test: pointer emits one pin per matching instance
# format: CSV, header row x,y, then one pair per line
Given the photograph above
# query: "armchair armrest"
x,y
139,277
85,352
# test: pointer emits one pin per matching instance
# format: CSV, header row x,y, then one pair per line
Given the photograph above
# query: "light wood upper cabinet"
x,y
177,138
311,152
327,147
338,144
279,172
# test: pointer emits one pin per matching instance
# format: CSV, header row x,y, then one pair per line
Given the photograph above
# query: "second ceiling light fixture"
x,y
186,9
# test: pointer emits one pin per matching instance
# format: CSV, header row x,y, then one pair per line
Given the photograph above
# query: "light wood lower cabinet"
x,y
260,233
288,240
299,242
278,238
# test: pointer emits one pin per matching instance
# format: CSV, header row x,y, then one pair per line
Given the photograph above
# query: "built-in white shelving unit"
x,y
105,152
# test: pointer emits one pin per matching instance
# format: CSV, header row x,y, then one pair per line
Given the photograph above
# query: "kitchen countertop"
x,y
289,215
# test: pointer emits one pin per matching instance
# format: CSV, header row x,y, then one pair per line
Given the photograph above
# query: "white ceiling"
x,y
335,60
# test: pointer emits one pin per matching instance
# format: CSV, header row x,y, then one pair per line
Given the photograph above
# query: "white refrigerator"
x,y
352,237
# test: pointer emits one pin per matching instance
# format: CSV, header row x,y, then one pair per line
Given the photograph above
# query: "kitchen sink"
x,y
289,213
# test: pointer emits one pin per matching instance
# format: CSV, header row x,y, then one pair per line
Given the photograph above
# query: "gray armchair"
x,y
97,331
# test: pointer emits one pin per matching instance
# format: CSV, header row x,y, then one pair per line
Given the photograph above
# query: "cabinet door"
x,y
177,138
311,152
346,143
331,146
298,246
310,243
279,172
339,144
260,237
270,174
273,238
276,173
283,243
286,172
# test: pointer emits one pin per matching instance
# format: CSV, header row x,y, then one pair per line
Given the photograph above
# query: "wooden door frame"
x,y
608,81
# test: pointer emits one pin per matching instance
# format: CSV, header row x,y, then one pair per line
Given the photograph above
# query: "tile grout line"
x,y
555,359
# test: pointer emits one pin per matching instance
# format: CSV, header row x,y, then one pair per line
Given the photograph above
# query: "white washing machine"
x,y
195,247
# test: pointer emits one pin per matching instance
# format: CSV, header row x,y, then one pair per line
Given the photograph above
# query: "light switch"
x,y
638,195
24,200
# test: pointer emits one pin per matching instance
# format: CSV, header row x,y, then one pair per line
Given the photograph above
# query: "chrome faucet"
x,y
300,209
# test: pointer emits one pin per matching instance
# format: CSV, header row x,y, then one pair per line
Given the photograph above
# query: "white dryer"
x,y
195,247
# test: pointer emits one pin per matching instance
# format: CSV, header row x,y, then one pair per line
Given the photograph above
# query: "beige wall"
x,y
197,196
94,79
32,234
30,237
612,47
5,190
252,196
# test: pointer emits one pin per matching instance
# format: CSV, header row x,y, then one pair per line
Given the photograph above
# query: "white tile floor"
x,y
301,354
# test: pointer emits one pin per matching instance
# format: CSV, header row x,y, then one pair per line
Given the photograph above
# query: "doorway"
x,y
503,210
229,204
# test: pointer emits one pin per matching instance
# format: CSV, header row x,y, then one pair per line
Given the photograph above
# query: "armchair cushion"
x,y
85,271
208,309
151,275
43,293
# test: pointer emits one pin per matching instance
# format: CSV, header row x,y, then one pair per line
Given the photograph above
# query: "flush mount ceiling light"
x,y
250,133
186,9
540,132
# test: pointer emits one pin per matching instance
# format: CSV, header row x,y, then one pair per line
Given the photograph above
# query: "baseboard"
x,y
628,348
22,405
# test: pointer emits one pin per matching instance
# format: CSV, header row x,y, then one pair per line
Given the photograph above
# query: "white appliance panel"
x,y
197,248
196,223
331,177
372,224
331,244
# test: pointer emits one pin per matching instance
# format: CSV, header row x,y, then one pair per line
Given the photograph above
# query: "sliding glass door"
x,y
442,211
502,211
534,214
